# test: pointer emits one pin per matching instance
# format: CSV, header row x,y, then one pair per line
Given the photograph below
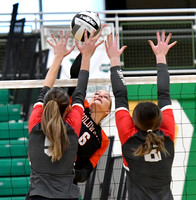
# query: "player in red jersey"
x,y
53,140
93,141
147,137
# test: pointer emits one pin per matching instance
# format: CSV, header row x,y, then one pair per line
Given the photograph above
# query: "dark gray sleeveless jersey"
x,y
45,174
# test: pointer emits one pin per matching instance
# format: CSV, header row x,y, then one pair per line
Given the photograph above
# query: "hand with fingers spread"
x,y
60,51
96,109
161,49
60,46
58,124
89,45
112,50
150,130
88,48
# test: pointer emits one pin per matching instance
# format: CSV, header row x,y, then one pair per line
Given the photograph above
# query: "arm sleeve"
x,y
36,116
119,87
80,91
125,125
168,123
74,71
164,102
81,175
123,118
42,93
94,159
74,118
163,85
37,111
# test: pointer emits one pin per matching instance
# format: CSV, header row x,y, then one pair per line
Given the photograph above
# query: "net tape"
x,y
13,84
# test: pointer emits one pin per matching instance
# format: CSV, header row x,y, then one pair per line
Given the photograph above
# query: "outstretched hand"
x,y
87,48
59,47
163,46
60,51
89,45
112,49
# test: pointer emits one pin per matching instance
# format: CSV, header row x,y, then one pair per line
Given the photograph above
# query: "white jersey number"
x,y
153,156
83,139
47,144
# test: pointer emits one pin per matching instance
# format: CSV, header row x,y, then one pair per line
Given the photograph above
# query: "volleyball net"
x,y
108,180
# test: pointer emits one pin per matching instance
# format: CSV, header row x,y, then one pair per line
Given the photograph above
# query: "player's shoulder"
x,y
86,104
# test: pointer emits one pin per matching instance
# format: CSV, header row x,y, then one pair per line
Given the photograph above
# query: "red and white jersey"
x,y
148,176
55,179
128,129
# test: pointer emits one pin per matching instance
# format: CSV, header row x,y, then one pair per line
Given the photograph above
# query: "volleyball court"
x,y
108,180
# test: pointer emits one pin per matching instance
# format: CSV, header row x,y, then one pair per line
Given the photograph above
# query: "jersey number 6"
x,y
83,139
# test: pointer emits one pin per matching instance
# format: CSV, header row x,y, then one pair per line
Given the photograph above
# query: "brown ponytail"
x,y
53,125
147,117
152,140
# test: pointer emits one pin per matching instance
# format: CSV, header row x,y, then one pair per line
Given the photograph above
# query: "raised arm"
x,y
87,49
75,68
124,122
160,51
163,83
117,79
74,71
60,51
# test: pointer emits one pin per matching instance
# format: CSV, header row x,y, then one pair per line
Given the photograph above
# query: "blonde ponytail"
x,y
54,129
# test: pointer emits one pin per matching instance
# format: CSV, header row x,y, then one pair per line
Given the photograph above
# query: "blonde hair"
x,y
110,107
53,124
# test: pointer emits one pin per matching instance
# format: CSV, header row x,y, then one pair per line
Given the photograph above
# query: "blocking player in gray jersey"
x,y
147,137
54,132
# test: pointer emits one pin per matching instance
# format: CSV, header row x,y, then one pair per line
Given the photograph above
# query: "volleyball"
x,y
85,20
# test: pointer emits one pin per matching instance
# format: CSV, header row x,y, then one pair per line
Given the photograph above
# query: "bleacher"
x,y
14,163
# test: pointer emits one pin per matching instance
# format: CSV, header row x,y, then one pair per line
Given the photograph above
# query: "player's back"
x,y
149,176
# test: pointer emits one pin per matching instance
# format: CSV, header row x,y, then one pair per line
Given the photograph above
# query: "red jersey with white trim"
x,y
128,129
55,179
42,169
148,176
73,118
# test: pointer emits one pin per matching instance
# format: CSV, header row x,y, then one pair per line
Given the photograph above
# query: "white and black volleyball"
x,y
82,21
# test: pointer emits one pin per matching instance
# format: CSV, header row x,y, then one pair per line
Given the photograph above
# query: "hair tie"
x,y
149,130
